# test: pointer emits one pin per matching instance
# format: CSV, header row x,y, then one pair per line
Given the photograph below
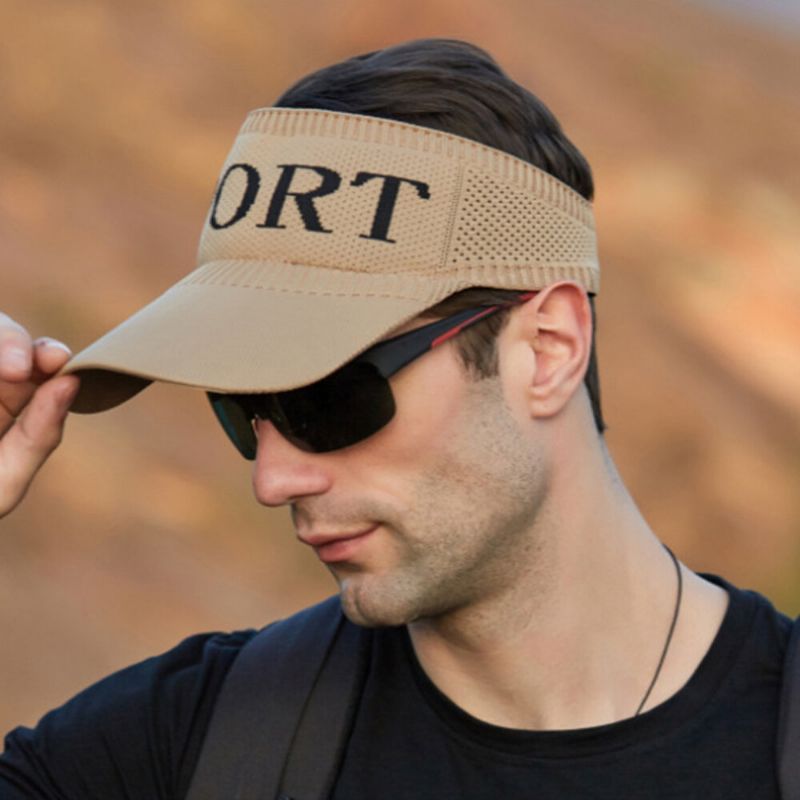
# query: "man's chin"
x,y
374,606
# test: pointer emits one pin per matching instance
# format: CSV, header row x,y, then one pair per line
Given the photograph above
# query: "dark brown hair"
x,y
458,88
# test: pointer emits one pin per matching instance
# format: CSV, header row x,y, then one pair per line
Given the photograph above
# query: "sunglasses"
x,y
348,405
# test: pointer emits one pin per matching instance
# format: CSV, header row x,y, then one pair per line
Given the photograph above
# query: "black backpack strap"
x,y
284,713
789,720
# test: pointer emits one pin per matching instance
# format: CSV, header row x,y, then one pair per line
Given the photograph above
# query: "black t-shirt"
x,y
137,734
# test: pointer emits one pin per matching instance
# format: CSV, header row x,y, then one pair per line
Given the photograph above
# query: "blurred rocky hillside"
x,y
115,120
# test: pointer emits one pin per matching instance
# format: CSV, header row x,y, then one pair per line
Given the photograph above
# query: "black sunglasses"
x,y
348,405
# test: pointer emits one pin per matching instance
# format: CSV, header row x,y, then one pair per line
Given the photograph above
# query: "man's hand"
x,y
33,406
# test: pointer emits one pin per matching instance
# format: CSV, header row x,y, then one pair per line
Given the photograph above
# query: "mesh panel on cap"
x,y
497,224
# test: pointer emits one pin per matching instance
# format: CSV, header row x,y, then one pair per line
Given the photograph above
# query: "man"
x,y
392,316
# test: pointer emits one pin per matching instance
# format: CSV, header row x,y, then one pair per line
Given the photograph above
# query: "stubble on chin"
x,y
465,530
361,609
380,598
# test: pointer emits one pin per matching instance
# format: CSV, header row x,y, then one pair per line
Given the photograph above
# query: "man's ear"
x,y
556,324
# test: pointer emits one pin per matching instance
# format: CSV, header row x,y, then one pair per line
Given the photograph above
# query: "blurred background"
x,y
115,121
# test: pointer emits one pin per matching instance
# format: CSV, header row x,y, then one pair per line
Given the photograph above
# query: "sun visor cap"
x,y
326,231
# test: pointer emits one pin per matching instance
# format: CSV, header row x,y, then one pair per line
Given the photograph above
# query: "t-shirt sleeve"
x,y
134,734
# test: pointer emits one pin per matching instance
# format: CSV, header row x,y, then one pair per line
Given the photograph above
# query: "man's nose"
x,y
282,472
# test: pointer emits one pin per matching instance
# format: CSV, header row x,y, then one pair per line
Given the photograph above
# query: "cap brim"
x,y
238,338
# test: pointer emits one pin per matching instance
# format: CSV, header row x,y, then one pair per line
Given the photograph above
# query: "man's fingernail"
x,y
53,343
17,358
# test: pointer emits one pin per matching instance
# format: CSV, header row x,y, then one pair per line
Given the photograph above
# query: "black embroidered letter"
x,y
305,200
386,202
249,196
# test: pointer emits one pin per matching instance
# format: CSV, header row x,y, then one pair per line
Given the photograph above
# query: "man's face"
x,y
430,514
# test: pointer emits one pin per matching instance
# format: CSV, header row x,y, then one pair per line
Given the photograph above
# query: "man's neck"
x,y
576,644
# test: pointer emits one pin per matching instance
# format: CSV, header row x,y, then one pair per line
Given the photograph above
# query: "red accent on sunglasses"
x,y
523,298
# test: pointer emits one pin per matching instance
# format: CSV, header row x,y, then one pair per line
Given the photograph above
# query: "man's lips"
x,y
332,547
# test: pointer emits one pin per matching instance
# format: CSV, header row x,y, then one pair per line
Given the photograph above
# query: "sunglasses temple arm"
x,y
408,346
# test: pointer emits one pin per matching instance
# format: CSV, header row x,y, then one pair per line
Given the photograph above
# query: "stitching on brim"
x,y
315,293
431,272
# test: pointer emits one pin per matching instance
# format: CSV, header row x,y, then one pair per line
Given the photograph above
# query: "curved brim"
x,y
238,338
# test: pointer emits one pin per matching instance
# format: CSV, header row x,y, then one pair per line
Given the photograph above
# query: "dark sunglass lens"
x,y
342,409
236,420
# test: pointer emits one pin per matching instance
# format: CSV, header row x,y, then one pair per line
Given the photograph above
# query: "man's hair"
x,y
457,88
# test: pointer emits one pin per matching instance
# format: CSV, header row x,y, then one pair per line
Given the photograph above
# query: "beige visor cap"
x,y
326,232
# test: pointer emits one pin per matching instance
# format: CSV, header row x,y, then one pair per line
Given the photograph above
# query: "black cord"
x,y
669,635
